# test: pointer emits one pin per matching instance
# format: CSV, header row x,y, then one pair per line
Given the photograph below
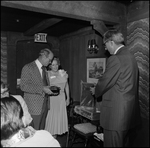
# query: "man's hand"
x,y
92,90
47,90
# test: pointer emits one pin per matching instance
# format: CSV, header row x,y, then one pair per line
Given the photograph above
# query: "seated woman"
x,y
27,119
13,131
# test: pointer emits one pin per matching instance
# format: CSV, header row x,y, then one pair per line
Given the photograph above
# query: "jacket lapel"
x,y
37,72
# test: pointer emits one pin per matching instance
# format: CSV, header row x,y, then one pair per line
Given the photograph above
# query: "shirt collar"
x,y
118,49
38,63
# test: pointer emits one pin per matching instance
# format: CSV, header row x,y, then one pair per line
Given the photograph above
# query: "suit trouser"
x,y
116,138
45,108
36,121
39,120
43,118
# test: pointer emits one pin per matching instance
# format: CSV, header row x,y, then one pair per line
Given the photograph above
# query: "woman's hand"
x,y
4,92
67,102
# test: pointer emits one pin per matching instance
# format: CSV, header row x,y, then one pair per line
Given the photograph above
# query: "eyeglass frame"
x,y
106,42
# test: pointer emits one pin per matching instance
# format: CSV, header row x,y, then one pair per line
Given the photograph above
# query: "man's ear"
x,y
44,56
112,43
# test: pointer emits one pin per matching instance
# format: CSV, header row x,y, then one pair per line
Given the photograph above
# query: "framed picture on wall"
x,y
95,69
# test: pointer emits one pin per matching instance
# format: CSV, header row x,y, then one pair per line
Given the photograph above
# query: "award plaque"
x,y
89,107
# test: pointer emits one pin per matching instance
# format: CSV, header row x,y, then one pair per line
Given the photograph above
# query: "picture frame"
x,y
95,69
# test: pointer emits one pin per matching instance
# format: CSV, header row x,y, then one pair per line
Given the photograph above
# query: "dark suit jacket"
x,y
32,86
119,87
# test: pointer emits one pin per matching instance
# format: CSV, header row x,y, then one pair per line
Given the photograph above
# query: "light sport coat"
x,y
119,87
32,86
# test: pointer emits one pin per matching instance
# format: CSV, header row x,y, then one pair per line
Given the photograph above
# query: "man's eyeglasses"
x,y
105,46
105,43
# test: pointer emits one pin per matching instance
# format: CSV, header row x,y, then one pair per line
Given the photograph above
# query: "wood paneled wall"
x,y
73,57
3,58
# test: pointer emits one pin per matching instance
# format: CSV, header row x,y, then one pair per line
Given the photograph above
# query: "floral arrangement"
x,y
62,72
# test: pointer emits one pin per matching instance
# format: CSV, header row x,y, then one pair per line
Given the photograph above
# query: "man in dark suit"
x,y
118,87
33,87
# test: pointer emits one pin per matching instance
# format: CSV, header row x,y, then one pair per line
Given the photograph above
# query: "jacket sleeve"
x,y
30,82
109,77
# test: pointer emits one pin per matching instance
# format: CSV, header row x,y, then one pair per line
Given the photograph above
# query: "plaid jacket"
x,y
31,84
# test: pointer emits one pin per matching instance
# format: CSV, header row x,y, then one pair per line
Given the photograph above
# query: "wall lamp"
x,y
92,46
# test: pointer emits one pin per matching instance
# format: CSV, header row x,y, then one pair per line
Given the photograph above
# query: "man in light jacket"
x,y
32,85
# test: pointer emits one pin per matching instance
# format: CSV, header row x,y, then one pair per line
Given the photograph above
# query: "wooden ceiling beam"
x,y
42,25
110,11
99,26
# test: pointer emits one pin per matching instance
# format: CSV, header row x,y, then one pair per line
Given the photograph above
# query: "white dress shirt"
x,y
118,49
39,65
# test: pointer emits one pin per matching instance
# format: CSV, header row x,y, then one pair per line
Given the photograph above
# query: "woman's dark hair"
x,y
58,61
11,117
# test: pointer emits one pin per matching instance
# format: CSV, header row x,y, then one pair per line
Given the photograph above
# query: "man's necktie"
x,y
44,76
46,103
45,83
